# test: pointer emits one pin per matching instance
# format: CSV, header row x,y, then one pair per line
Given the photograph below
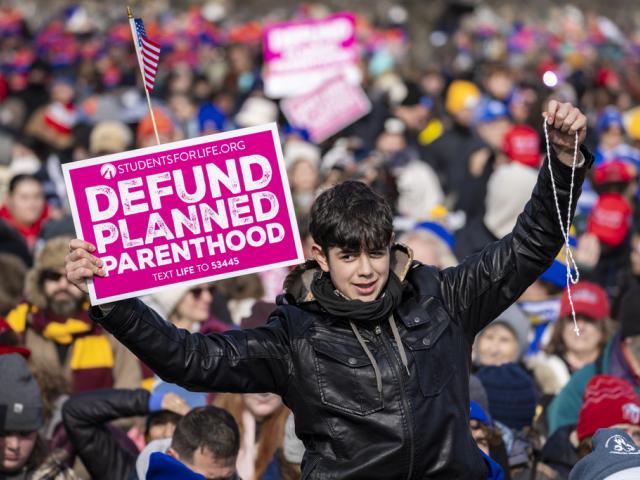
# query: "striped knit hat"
x,y
608,401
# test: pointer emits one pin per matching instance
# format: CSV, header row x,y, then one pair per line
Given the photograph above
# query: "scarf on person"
x,y
335,303
83,344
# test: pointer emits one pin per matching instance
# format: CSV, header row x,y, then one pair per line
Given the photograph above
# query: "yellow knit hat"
x,y
460,95
632,123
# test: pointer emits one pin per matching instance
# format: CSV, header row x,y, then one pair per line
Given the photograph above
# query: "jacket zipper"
x,y
403,395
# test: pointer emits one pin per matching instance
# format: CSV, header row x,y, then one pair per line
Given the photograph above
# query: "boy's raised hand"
x,y
563,121
80,265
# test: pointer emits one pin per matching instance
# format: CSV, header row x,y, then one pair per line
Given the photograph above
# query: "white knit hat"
x,y
167,301
508,191
257,111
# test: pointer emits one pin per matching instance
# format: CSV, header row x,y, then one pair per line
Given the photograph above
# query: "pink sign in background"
x,y
328,109
186,212
299,55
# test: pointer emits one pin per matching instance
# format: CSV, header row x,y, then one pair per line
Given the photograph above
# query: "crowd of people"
x,y
455,147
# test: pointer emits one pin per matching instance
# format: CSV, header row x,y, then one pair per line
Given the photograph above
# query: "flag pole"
x,y
134,36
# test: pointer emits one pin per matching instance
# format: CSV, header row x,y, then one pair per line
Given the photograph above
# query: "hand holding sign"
x,y
81,265
185,212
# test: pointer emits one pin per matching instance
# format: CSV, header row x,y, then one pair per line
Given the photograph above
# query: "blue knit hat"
x,y
614,455
490,110
477,413
511,392
608,117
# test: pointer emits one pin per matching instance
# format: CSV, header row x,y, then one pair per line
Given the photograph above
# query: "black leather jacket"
x,y
101,447
417,427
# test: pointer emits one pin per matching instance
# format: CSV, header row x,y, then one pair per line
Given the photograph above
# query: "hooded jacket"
x,y
414,427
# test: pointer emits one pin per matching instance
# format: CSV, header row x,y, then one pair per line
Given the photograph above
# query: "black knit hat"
x,y
511,392
629,313
20,399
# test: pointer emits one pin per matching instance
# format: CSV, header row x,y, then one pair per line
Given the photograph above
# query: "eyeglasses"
x,y
197,291
50,276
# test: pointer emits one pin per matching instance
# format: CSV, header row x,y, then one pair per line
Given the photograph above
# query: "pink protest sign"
x,y
300,55
326,110
187,212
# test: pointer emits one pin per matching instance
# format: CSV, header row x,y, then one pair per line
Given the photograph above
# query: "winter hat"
x,y
608,401
522,144
164,467
516,321
256,111
508,191
608,117
614,171
490,110
165,302
511,393
589,299
460,95
210,117
164,125
20,399
51,257
51,125
632,122
629,313
60,117
295,150
609,219
476,412
614,457
477,393
109,137
439,231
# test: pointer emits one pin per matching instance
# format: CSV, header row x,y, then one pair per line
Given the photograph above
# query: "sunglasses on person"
x,y
51,276
197,291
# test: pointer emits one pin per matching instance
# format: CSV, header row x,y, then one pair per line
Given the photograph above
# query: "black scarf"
x,y
336,304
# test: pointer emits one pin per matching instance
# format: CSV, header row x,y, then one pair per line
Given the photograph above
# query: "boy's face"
x,y
357,275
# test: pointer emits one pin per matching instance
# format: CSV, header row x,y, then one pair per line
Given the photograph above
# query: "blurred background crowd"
x,y
453,139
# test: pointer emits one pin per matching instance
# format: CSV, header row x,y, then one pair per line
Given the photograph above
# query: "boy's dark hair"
x,y
21,177
353,217
210,428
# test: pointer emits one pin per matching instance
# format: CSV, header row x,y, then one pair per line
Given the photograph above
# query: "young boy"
x,y
369,349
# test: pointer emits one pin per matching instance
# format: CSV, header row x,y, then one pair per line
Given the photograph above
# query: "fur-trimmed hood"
x,y
51,257
297,285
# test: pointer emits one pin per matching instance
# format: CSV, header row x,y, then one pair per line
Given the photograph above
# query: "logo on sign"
x,y
108,171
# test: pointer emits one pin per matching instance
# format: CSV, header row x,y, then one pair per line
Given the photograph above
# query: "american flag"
x,y
149,53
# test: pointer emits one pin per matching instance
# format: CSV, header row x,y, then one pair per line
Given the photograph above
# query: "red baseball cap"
x,y
589,299
615,171
522,144
609,219
608,401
